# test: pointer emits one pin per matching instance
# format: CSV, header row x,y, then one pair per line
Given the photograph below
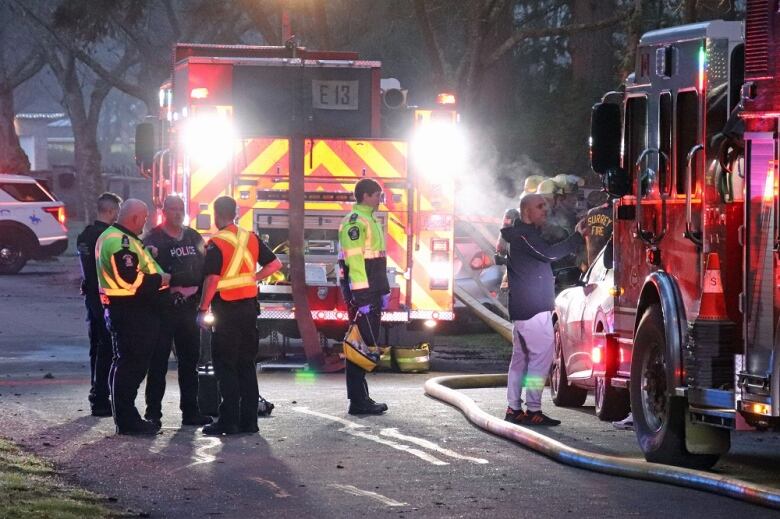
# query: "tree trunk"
x,y
591,52
12,157
87,162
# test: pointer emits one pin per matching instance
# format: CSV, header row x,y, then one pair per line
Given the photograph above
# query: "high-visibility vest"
x,y
239,263
360,239
110,283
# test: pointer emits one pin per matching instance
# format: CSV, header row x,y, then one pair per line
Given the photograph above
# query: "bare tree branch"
x,y
173,19
121,84
547,32
435,56
320,17
257,14
27,68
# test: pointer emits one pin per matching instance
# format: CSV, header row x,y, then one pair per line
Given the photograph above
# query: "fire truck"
x,y
688,146
268,124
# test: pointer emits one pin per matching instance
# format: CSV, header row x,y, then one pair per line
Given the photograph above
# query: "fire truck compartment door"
x,y
760,302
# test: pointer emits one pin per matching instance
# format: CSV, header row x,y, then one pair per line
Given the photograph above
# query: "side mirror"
x,y
616,182
567,277
605,126
145,147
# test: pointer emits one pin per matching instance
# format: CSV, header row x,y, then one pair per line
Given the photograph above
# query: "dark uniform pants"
x,y
100,354
357,388
134,330
177,326
234,352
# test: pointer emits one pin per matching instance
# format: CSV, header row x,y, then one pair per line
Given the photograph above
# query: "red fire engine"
x,y
269,124
695,235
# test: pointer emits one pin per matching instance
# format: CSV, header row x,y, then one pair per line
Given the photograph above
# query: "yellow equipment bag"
x,y
356,350
416,359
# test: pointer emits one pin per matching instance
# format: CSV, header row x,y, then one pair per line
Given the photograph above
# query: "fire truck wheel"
x,y
563,394
611,403
659,419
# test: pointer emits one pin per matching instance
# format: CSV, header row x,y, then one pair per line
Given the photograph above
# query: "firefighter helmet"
x,y
548,187
532,183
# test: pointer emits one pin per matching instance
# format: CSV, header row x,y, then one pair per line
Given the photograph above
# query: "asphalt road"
x,y
312,459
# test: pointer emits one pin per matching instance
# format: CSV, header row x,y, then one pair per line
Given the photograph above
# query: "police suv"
x,y
32,223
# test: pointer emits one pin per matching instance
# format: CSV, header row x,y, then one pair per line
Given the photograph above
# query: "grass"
x,y
30,487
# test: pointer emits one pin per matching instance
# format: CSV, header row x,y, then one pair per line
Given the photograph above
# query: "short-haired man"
x,y
131,284
531,300
179,250
100,351
230,290
363,264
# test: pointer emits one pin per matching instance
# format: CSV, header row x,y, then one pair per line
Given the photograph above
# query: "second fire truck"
x,y
689,148
238,120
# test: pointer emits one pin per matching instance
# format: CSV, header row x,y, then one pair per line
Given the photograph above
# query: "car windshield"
x,y
25,192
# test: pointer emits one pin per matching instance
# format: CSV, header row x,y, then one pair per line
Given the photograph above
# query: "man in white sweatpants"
x,y
531,300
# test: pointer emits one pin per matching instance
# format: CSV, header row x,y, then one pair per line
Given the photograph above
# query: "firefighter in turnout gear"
x,y
363,264
130,284
100,350
230,290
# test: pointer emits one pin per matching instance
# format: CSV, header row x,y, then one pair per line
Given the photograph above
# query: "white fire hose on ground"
x,y
445,389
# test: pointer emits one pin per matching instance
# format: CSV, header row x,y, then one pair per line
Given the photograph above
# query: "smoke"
x,y
488,186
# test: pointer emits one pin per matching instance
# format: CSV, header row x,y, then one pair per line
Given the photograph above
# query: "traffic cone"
x,y
713,303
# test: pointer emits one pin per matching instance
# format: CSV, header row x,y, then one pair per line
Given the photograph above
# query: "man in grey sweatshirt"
x,y
531,301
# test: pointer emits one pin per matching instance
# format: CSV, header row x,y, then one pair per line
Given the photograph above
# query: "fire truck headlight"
x,y
440,273
209,140
439,151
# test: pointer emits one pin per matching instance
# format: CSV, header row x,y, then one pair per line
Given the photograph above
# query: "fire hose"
x,y
445,389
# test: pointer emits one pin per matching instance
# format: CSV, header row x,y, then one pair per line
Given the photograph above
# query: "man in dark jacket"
x,y
100,350
180,251
531,300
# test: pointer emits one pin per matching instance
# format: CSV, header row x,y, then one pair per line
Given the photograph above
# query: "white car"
x,y
32,223
581,312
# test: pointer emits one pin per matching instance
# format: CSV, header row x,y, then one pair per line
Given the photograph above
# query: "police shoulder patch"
x,y
125,241
354,233
353,218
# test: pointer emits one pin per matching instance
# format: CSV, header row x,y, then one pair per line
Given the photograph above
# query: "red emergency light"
x,y
199,93
445,99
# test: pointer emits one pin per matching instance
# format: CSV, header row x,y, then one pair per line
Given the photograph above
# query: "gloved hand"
x,y
365,309
385,301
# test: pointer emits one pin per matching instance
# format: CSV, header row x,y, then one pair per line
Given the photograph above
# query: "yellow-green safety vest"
x,y
110,283
360,239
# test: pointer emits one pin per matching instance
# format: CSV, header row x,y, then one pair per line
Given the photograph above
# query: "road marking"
x,y
392,432
349,489
348,423
276,489
200,456
350,428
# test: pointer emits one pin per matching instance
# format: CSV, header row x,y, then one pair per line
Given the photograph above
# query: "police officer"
x,y
230,290
130,283
179,250
100,351
363,265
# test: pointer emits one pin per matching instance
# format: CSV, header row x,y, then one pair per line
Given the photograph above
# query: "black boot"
x,y
366,407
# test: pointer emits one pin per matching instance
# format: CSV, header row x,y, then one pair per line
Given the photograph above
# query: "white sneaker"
x,y
626,424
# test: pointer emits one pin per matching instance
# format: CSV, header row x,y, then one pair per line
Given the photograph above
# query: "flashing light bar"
x,y
702,58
